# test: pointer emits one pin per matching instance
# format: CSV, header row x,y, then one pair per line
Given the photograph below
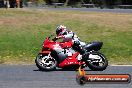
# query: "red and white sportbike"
x,y
62,55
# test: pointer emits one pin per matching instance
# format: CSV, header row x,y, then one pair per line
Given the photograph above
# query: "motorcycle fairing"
x,y
62,54
69,61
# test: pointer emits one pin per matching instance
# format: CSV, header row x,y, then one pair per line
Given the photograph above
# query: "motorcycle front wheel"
x,y
45,63
96,61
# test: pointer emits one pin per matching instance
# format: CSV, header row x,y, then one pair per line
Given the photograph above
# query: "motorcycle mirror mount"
x,y
50,36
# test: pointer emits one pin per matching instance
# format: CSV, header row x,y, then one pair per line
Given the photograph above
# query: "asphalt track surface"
x,y
91,10
28,76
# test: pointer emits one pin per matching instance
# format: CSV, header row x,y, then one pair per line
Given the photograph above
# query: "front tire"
x,y
97,61
45,63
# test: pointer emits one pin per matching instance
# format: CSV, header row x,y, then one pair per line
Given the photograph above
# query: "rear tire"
x,y
41,63
95,65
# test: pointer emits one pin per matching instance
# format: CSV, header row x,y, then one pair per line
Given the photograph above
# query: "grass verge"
x,y
22,32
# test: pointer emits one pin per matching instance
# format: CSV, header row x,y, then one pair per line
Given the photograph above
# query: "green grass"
x,y
22,32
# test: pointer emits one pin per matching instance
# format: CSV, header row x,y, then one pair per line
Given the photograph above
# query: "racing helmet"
x,y
60,30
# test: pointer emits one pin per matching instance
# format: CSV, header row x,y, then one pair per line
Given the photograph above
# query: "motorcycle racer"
x,y
70,53
63,33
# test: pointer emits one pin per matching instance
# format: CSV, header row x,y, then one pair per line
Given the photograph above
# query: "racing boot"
x,y
83,54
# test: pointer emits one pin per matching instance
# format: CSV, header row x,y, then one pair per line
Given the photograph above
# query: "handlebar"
x,y
54,39
50,36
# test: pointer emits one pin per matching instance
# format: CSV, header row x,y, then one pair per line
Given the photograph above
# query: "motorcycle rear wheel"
x,y
95,65
44,63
